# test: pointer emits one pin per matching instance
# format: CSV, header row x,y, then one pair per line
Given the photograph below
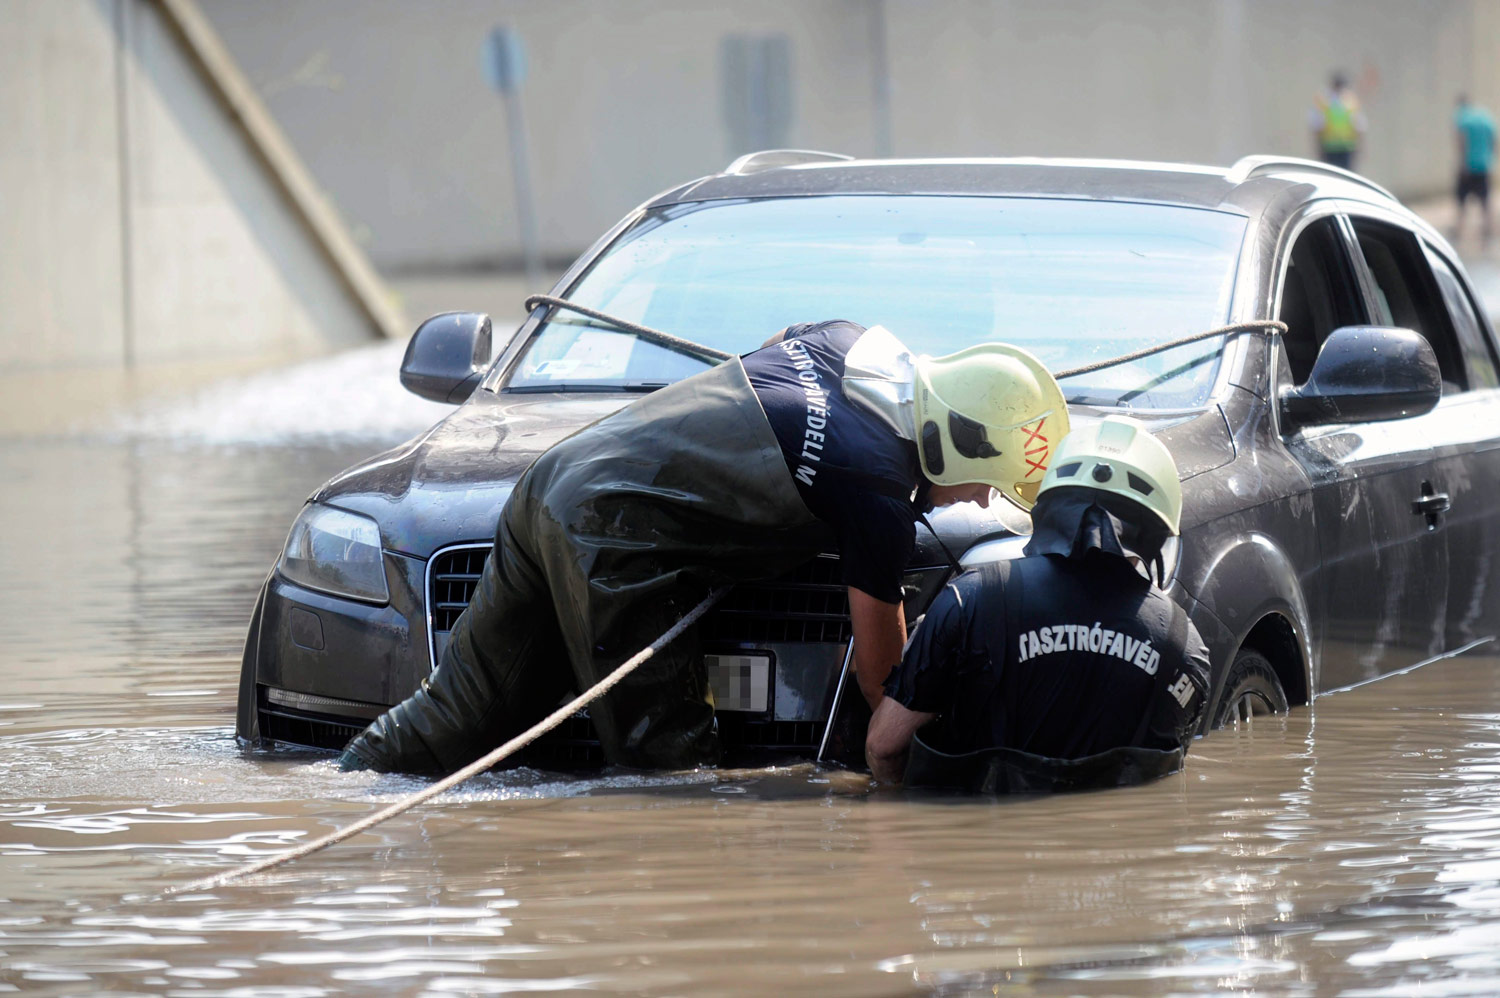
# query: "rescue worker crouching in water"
x,y
1067,669
737,473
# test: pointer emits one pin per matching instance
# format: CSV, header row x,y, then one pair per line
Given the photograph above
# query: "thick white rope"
x,y
472,769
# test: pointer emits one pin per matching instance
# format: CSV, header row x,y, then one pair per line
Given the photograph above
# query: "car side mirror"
x,y
447,356
1364,374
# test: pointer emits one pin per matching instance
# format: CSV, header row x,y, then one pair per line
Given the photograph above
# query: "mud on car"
x,y
1339,480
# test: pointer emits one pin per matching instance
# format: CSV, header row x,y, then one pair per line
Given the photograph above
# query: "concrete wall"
x,y
385,100
61,266
143,220
140,223
1184,79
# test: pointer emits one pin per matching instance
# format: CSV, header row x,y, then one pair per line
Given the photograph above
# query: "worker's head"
x,y
1119,456
1337,80
1112,486
988,415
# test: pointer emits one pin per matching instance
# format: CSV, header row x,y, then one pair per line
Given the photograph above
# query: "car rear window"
x,y
1073,281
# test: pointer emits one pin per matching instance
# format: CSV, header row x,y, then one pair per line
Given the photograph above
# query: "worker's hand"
x,y
889,739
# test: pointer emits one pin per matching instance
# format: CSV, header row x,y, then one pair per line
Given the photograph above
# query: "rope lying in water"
x,y
472,769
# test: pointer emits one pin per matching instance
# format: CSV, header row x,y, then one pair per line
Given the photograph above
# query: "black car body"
x,y
1339,522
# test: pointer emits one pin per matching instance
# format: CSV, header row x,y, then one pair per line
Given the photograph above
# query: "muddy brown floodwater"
x,y
1349,849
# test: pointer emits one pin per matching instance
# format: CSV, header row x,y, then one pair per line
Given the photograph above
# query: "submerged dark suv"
x,y
1339,480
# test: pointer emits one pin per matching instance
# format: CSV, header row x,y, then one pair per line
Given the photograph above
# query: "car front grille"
x,y
572,745
302,727
451,580
809,604
751,739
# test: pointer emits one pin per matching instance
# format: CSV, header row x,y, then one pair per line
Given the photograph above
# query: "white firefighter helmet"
x,y
1119,455
988,414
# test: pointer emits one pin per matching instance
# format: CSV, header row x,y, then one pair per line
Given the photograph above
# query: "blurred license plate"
x,y
740,682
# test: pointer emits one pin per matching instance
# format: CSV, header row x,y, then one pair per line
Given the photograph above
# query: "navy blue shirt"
x,y
853,471
1088,657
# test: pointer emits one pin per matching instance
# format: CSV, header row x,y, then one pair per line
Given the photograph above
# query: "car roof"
x,y
1252,186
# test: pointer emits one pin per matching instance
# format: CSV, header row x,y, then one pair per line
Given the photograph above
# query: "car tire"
x,y
1250,690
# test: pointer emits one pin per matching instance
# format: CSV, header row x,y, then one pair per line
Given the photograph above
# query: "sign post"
x,y
503,59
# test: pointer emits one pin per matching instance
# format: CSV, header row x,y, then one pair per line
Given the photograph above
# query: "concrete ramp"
x,y
152,211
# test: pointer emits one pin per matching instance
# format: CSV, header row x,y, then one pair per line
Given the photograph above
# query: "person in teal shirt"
x,y
1476,154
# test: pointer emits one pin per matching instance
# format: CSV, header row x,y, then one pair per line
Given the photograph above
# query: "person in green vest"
x,y
1337,123
1475,128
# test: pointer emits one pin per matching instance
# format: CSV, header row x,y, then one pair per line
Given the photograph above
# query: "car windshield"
x,y
1073,281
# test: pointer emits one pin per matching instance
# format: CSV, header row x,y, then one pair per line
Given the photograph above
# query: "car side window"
x,y
1318,295
1474,335
1407,294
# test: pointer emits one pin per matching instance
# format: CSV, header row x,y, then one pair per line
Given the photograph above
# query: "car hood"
x,y
447,485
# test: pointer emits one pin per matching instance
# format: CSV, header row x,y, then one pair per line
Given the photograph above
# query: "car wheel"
x,y
1250,690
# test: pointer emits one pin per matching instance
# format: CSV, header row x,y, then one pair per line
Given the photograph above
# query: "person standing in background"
x,y
1475,128
1337,123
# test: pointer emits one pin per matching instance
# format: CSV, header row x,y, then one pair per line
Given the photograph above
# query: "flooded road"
x,y
1348,849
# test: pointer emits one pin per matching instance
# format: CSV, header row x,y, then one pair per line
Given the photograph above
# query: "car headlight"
x,y
337,552
1010,548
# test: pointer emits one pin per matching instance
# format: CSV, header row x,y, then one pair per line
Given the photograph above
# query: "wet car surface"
x,y
1332,538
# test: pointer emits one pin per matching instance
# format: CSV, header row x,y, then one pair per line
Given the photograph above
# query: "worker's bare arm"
x,y
879,634
889,739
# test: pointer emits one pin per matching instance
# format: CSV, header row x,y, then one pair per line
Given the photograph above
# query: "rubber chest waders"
x,y
607,539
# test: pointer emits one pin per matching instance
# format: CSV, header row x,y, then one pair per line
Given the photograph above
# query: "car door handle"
x,y
1432,505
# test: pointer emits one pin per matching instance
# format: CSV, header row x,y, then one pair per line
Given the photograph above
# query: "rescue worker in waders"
x,y
1067,669
830,433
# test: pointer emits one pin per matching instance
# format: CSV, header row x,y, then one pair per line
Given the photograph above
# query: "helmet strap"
x,y
952,561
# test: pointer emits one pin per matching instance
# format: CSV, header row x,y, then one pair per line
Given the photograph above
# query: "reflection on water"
x,y
1353,849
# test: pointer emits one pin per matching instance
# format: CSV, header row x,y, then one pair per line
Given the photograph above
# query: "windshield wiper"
x,y
1161,379
661,339
596,387
1253,325
1103,401
1125,396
